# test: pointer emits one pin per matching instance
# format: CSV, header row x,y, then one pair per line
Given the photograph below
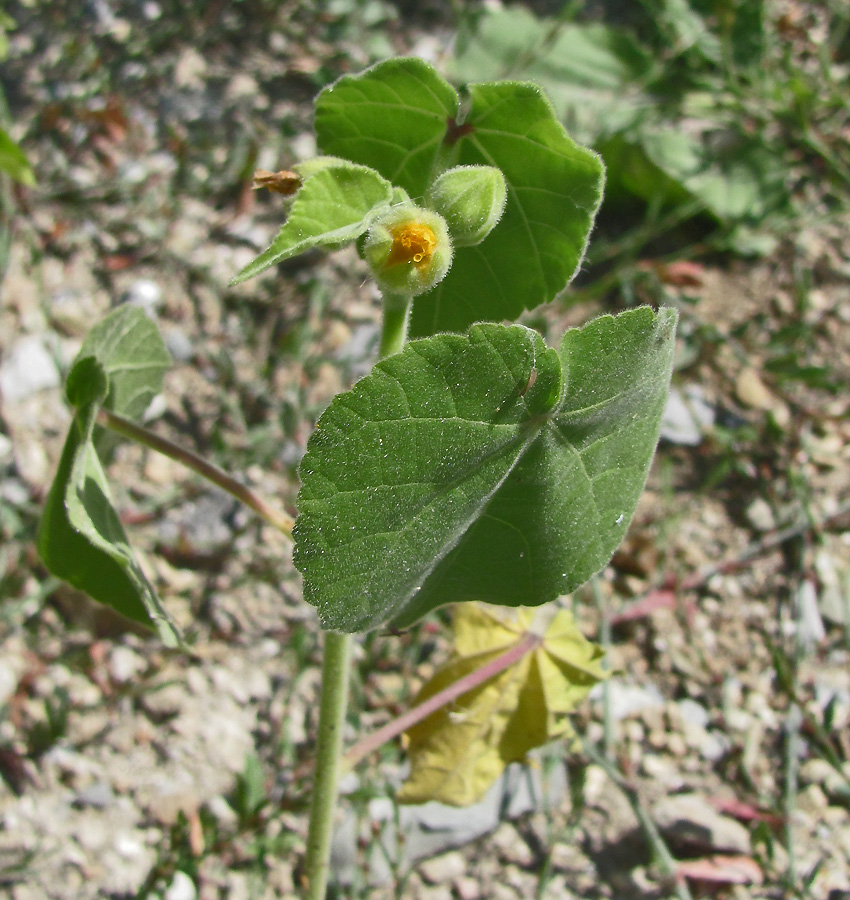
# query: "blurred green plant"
x,y
719,109
14,165
13,160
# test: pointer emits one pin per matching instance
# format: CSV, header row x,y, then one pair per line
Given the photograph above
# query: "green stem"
x,y
394,330
335,671
191,460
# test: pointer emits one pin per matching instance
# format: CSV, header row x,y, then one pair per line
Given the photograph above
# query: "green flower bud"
x,y
471,199
409,250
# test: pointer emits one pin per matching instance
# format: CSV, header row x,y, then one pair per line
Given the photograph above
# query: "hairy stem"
x,y
394,329
335,672
191,460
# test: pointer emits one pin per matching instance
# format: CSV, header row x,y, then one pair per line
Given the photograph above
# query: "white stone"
x,y
28,369
8,681
686,416
181,888
190,70
444,868
689,819
627,699
145,294
125,664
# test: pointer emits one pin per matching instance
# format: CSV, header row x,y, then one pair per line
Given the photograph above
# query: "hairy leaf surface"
x,y
336,204
406,121
484,466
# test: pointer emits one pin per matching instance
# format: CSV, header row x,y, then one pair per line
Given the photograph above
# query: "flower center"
x,y
413,243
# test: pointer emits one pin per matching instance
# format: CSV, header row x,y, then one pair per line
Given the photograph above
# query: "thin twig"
x,y
789,798
192,460
605,642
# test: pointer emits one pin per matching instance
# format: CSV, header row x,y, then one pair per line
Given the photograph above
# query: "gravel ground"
x,y
133,771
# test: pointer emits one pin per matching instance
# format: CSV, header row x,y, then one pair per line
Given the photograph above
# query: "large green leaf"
x,y
404,120
391,117
336,204
554,190
80,536
480,466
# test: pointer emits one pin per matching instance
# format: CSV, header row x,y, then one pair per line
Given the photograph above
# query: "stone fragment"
x,y
686,416
145,294
179,344
436,892
27,369
181,888
753,393
163,702
125,664
760,515
444,868
662,770
627,699
688,820
97,795
191,69
810,628
468,888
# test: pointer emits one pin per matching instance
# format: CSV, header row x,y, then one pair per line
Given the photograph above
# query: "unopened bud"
x,y
409,250
471,199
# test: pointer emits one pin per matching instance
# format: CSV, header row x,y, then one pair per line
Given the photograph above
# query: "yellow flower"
x,y
409,250
413,242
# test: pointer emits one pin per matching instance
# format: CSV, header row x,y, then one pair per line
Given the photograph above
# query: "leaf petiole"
x,y
525,645
192,460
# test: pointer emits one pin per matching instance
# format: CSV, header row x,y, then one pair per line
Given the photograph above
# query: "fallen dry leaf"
x,y
460,750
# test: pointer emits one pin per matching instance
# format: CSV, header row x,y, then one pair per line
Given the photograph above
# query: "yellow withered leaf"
x,y
460,750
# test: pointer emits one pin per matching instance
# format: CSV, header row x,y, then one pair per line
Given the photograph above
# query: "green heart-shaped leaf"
x,y
403,119
391,117
554,190
483,466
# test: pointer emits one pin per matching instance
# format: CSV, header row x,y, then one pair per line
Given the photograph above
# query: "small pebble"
x,y
181,888
27,369
97,796
145,294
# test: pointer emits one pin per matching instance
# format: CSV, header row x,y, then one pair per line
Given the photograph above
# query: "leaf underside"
x,y
483,466
80,536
